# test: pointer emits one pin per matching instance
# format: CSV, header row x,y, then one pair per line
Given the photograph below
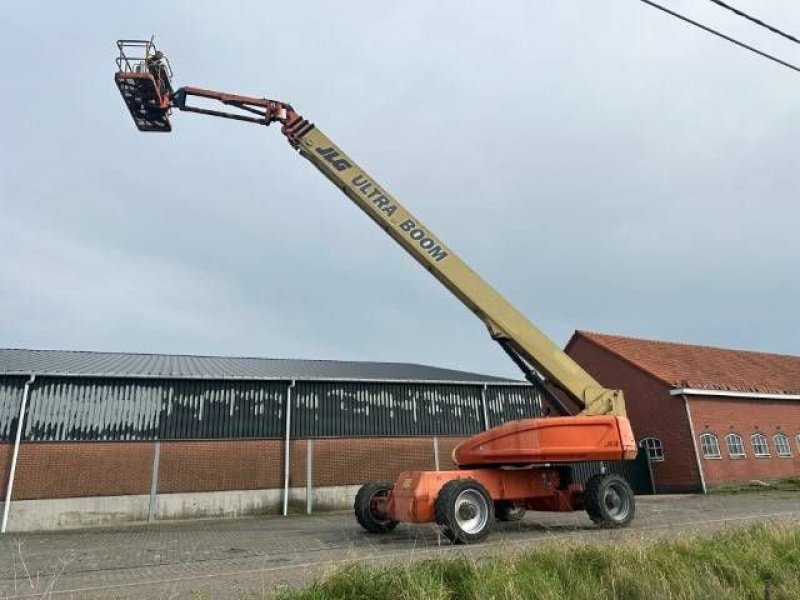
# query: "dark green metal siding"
x,y
193,409
10,398
510,403
333,409
92,408
62,409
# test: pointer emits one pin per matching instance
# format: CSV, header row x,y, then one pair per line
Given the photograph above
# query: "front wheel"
x,y
609,501
465,511
366,507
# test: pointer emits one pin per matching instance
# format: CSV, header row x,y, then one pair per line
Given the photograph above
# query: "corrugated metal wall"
x,y
196,409
327,409
70,408
63,409
509,403
10,397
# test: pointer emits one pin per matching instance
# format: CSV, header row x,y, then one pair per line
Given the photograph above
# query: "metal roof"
x,y
117,364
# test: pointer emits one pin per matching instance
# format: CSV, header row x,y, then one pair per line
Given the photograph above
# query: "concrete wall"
x,y
106,511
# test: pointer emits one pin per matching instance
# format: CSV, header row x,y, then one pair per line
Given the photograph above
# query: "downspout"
x,y
694,443
286,448
15,455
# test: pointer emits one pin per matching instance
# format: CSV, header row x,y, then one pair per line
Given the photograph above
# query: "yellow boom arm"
x,y
505,323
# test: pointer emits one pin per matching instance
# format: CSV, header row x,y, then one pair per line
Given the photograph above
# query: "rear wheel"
x,y
609,501
366,507
506,510
465,511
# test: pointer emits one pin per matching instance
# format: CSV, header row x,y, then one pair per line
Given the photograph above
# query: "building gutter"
x,y
20,422
694,443
731,394
286,448
157,376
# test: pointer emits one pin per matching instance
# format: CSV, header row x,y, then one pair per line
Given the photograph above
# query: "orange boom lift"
x,y
502,471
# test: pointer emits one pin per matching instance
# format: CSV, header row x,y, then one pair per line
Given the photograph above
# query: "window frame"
x,y
704,447
728,437
658,447
756,453
785,439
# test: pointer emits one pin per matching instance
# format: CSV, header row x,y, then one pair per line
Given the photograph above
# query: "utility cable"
x,y
755,20
722,35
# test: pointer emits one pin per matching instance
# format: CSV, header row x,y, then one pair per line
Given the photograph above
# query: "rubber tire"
x,y
444,511
594,492
505,510
361,507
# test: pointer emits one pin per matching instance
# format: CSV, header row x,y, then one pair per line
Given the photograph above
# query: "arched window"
x,y
760,446
782,445
653,447
710,446
735,445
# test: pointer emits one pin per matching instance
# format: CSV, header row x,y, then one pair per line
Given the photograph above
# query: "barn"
x,y
110,437
705,416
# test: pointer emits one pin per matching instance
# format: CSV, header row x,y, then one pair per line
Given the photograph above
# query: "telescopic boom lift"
x,y
502,471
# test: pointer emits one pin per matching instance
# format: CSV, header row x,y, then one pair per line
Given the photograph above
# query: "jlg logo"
x,y
331,155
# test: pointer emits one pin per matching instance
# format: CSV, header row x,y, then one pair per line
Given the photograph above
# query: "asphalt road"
x,y
247,558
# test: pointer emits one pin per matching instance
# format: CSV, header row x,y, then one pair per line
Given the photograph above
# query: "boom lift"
x,y
502,471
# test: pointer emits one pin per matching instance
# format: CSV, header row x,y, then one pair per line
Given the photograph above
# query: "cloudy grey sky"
x,y
603,165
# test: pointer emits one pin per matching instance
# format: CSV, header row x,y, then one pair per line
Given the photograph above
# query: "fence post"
x,y
309,475
436,452
152,509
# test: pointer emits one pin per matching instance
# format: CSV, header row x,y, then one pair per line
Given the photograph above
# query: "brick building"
x,y
706,416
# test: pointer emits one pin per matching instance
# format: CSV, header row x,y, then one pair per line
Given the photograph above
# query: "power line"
x,y
755,20
722,35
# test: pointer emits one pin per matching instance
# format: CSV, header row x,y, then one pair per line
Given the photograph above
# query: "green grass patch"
x,y
792,484
734,564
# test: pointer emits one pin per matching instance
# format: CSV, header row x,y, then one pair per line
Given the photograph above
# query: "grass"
x,y
792,484
761,561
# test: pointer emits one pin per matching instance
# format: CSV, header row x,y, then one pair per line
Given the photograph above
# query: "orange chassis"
x,y
513,464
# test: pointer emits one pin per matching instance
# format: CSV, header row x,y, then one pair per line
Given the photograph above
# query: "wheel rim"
x,y
471,511
617,502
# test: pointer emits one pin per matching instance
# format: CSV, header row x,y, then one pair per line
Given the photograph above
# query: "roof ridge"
x,y
590,334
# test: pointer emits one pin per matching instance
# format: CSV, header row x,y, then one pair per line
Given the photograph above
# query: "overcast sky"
x,y
603,165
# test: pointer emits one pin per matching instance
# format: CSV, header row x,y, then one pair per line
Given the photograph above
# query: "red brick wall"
x,y
63,470
211,465
652,412
68,470
720,416
353,461
5,466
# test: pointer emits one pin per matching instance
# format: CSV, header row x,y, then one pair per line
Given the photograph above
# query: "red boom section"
x,y
556,439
